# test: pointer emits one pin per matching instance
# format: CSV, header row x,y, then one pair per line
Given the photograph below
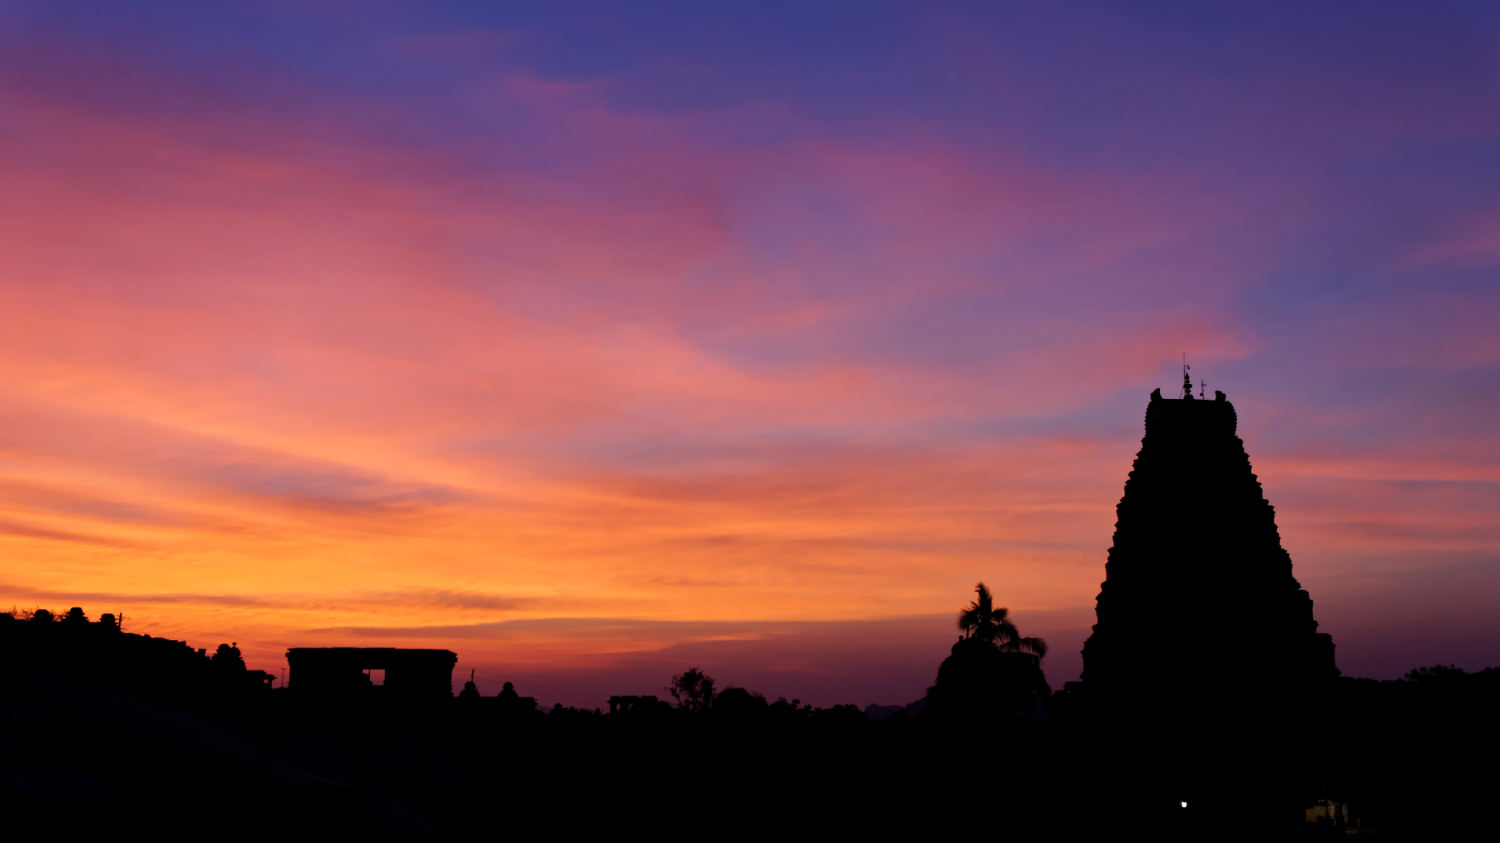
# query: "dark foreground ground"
x,y
1396,761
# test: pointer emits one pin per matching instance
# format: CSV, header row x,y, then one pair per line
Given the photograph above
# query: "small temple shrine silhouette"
x,y
1198,600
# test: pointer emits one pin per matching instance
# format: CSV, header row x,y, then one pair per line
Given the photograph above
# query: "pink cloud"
x,y
1470,243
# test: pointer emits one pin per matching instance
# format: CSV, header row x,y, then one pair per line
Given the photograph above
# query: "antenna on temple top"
x,y
1187,380
1202,389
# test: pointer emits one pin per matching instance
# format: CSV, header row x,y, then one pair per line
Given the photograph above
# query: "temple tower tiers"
x,y
1198,597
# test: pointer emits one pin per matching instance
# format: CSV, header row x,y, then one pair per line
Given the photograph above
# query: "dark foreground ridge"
x,y
1210,709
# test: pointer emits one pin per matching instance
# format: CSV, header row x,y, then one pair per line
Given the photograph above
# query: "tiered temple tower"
x,y
1199,609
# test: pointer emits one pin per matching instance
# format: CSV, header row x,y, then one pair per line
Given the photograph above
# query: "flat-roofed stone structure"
x,y
417,674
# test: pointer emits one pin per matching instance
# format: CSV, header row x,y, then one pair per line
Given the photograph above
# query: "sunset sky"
x,y
594,341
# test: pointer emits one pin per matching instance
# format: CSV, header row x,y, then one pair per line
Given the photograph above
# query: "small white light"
x,y
1183,804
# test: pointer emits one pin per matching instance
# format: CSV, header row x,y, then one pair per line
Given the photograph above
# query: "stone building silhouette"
x,y
1199,610
1206,685
407,674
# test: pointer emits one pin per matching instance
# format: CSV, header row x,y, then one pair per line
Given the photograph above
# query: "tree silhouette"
x,y
693,690
983,622
991,670
227,661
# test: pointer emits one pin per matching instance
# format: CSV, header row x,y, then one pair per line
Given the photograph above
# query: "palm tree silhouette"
x,y
983,622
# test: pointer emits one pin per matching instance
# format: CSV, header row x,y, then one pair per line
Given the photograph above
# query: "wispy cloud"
x,y
22,529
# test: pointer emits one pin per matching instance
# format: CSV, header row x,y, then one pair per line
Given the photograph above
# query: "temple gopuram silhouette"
x,y
1198,591
1205,663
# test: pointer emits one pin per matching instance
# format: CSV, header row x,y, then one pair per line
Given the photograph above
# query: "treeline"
x,y
1393,756
99,654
